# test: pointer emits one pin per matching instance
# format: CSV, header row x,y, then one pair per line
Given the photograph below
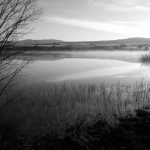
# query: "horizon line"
x,y
86,40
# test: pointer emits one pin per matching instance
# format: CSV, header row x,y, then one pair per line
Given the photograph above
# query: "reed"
x,y
145,59
52,108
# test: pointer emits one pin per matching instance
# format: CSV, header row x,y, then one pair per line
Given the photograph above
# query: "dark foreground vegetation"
x,y
72,116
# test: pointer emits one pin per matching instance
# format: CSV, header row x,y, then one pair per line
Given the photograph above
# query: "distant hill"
x,y
128,41
30,42
54,45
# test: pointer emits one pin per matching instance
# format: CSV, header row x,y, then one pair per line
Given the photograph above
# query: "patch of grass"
x,y
53,107
61,110
145,59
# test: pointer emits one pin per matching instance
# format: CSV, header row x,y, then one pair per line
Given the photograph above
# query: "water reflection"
x,y
88,66
76,68
130,56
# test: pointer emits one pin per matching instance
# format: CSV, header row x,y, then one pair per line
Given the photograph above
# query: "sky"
x,y
90,20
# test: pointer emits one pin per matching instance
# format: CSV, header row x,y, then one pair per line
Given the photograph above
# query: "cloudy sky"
x,y
78,20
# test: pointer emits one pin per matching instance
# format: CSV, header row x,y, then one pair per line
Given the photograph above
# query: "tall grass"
x,y
145,59
52,108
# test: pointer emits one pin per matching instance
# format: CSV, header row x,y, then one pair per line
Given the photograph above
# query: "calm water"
x,y
97,66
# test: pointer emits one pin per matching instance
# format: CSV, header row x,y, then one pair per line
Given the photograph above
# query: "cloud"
x,y
142,8
121,5
127,2
100,26
133,23
139,29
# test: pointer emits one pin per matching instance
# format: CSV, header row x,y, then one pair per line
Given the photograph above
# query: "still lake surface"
x,y
87,66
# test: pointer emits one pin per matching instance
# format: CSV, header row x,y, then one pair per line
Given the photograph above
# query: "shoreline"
x,y
76,48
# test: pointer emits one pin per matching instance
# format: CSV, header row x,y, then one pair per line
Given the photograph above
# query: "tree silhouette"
x,y
16,17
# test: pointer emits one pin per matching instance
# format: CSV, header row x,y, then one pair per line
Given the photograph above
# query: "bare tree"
x,y
16,17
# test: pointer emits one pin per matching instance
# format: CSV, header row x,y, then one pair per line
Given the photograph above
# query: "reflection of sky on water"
x,y
104,72
83,68
130,56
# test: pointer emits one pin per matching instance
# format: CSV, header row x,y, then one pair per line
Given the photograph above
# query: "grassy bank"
x,y
51,113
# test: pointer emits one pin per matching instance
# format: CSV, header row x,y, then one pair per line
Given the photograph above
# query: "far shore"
x,y
49,48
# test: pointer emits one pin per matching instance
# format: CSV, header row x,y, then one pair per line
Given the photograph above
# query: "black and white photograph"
x,y
74,74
